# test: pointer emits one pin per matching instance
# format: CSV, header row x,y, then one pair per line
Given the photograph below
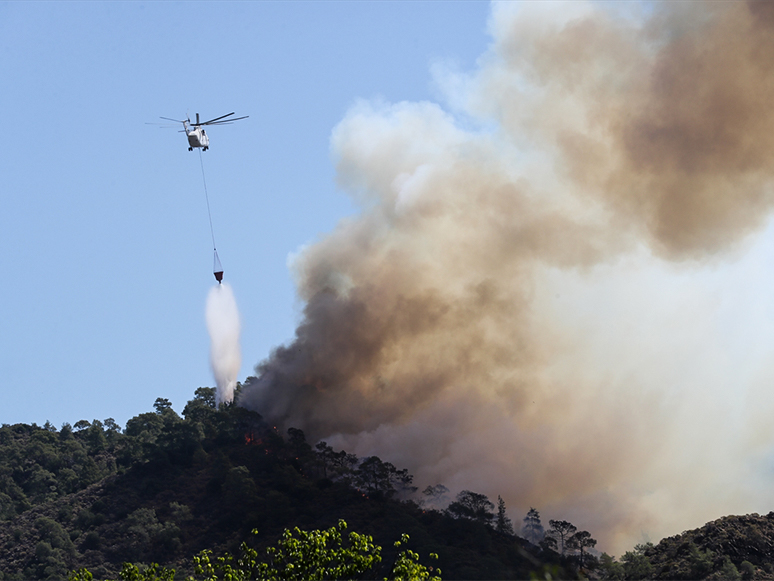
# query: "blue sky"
x,y
107,251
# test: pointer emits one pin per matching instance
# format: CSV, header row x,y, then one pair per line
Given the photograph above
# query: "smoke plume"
x,y
223,327
550,290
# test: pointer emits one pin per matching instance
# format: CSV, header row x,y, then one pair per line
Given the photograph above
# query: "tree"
x,y
580,541
325,455
561,530
727,572
66,432
95,437
636,564
130,572
382,478
548,543
164,410
53,550
611,569
202,407
436,493
408,568
206,395
111,425
746,570
372,476
533,530
503,524
145,427
299,555
701,562
161,405
344,463
112,432
298,445
472,505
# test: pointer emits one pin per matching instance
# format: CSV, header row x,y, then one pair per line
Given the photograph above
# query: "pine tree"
x,y
562,530
504,524
533,529
580,541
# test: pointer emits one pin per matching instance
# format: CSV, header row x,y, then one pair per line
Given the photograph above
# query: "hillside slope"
x,y
172,486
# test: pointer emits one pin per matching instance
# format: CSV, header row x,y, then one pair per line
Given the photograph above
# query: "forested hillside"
x,y
166,487
94,495
728,549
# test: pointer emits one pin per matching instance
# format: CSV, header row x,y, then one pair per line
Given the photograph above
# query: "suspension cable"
x,y
207,198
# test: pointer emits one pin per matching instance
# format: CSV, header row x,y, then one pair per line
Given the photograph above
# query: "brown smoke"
x,y
672,122
447,327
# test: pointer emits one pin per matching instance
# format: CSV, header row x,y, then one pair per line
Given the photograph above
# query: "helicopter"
x,y
197,137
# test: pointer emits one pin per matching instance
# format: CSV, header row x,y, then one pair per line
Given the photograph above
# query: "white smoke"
x,y
224,328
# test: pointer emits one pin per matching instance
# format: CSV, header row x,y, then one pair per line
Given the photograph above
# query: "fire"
x,y
250,439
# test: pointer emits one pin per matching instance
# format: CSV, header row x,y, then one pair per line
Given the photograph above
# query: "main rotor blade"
x,y
175,120
224,121
216,118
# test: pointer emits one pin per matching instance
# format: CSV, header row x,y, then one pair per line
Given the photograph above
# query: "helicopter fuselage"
x,y
196,138
195,133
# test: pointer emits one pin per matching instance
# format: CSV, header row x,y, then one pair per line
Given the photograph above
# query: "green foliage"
x,y
81,574
636,564
52,531
181,513
130,572
299,555
7,508
153,572
700,562
408,568
40,465
727,572
201,409
239,486
145,427
610,568
144,536
162,405
52,551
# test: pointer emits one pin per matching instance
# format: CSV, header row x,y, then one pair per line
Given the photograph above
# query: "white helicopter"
x,y
197,137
